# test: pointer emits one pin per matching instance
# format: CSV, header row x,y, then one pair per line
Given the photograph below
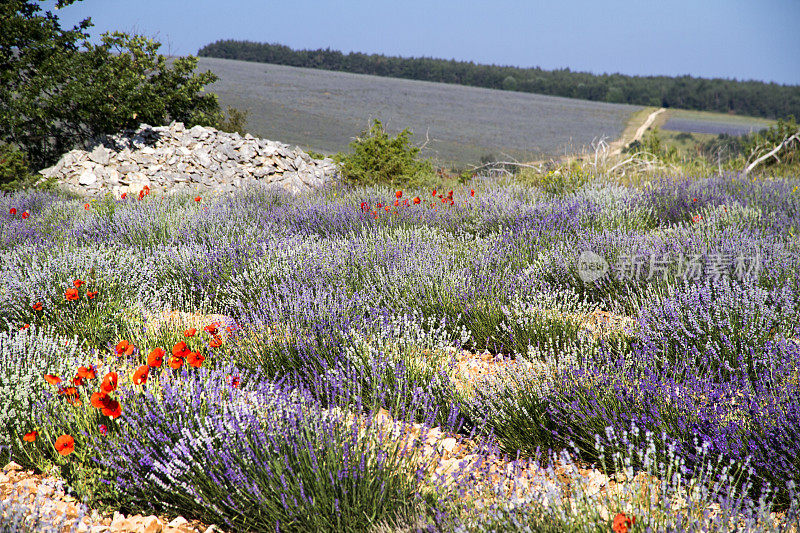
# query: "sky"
x,y
741,39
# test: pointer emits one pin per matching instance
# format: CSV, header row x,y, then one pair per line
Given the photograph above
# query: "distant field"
x,y
712,123
324,111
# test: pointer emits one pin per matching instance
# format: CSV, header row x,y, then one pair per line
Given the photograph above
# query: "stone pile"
x,y
172,159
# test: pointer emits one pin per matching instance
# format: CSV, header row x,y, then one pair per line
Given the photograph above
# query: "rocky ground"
x,y
172,159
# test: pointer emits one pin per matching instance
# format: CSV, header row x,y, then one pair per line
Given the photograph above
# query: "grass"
x,y
327,397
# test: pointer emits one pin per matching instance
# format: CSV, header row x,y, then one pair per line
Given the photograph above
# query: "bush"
x,y
380,159
14,171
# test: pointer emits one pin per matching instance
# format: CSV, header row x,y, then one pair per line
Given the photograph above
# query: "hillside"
x,y
324,111
753,98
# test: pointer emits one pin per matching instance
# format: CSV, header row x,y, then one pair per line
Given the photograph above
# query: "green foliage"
x,y
378,158
234,121
58,91
14,172
764,141
558,182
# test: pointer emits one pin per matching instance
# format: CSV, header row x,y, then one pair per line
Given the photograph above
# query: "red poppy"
x,y
123,196
156,357
13,211
399,194
51,379
622,522
472,192
124,348
417,200
37,306
450,194
694,200
99,399
71,294
65,445
25,326
230,329
112,408
78,381
86,372
235,381
405,202
434,192
25,215
396,203
191,332
91,295
78,283
211,328
109,382
216,342
87,206
31,436
179,349
195,359
71,394
380,205
140,376
103,429
196,198
387,208
175,363
364,206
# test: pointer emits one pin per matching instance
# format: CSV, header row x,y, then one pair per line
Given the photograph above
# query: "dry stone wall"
x,y
173,159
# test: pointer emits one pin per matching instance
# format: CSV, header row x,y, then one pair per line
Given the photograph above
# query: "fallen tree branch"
x,y
786,142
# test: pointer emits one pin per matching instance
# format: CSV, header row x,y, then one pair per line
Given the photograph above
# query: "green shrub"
x,y
235,120
14,171
378,158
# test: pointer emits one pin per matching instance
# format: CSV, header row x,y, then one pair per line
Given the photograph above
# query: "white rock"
x,y
87,177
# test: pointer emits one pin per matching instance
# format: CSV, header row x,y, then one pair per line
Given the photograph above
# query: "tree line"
x,y
753,98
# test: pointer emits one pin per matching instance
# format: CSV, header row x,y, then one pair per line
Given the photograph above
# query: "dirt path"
x,y
615,148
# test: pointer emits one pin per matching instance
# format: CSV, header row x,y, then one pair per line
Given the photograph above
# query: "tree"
x,y
58,91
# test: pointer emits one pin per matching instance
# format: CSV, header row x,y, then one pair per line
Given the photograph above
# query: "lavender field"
x,y
268,363
325,111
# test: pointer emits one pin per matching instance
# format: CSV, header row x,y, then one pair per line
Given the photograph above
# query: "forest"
x,y
752,98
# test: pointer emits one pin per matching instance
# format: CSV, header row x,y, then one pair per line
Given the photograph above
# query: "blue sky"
x,y
742,39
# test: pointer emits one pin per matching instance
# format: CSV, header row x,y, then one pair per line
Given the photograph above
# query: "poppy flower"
x,y
235,381
124,348
99,399
112,408
387,208
123,196
230,329
175,363
417,200
37,306
399,194
90,295
191,332
380,205
156,357
103,429
86,372
211,328
179,349
195,359
140,376
25,215
450,194
694,200
78,283
622,522
87,206
434,192
13,211
51,379
216,342
65,445
472,192
31,436
71,295
396,203
25,326
364,206
109,382
78,381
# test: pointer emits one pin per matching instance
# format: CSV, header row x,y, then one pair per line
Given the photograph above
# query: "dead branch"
x,y
784,144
